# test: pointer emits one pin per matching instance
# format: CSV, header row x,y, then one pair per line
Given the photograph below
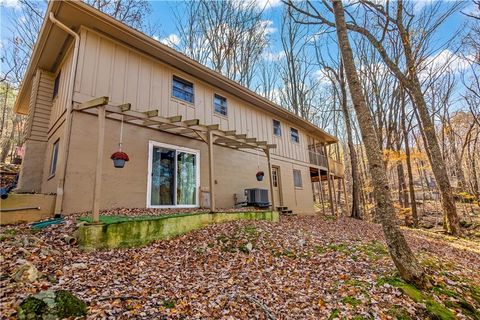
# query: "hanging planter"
x,y
260,175
119,159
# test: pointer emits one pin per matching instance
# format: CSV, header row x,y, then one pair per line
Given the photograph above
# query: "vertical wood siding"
x,y
60,101
109,68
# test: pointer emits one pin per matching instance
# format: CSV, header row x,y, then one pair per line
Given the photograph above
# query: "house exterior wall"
x,y
234,170
109,68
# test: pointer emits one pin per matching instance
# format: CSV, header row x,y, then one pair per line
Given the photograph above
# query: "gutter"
x,y
63,157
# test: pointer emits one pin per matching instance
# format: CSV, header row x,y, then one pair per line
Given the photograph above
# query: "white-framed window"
x,y
220,104
294,135
277,128
173,176
297,178
54,159
182,89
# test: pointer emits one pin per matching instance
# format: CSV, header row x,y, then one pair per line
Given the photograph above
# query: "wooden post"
x,y
329,181
347,208
97,191
267,152
320,183
211,171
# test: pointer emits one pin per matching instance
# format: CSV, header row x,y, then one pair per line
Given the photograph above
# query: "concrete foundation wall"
x,y
31,173
140,232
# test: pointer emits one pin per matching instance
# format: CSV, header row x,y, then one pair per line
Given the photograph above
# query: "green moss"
x,y
319,249
335,314
399,313
475,292
435,309
374,250
351,300
68,305
169,304
438,312
340,247
32,308
439,289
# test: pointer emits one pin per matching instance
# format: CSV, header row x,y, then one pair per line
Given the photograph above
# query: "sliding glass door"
x,y
174,176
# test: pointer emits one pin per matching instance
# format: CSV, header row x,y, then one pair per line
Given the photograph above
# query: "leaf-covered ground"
x,y
300,268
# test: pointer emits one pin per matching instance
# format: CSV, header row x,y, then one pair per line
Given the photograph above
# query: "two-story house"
x,y
193,137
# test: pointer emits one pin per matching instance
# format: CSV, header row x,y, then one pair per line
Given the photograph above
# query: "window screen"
x,y
294,135
277,128
220,104
182,89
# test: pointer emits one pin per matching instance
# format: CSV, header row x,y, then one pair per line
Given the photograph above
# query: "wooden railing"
x,y
317,159
336,167
320,160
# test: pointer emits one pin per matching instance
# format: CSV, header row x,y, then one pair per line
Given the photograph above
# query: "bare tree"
x,y
228,36
406,263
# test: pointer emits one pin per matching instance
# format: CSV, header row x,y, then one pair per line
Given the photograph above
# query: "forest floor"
x,y
313,267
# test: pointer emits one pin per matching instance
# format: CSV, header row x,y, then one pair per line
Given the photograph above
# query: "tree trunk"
x,y
7,143
404,259
451,220
356,212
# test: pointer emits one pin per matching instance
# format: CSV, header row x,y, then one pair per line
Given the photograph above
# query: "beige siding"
x,y
40,106
60,101
127,187
109,68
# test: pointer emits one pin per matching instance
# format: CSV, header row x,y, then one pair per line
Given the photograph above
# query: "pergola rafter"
x,y
191,128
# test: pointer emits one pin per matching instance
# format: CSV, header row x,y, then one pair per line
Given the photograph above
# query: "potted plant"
x,y
260,175
119,159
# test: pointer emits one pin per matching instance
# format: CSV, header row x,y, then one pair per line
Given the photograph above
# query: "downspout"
x,y
68,115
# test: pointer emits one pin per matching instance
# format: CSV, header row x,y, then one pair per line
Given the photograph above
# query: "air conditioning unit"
x,y
257,197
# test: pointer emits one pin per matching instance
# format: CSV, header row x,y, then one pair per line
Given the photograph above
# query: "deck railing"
x,y
319,159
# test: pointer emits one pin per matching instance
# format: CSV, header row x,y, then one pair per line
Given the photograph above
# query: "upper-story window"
x,y
277,128
220,104
182,89
56,85
294,135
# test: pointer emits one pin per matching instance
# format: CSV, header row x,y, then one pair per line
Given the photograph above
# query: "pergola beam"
x,y
94,103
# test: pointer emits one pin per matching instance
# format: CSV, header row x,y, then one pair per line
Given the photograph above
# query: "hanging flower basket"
x,y
119,159
260,175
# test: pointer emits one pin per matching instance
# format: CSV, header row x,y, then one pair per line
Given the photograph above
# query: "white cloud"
x,y
321,77
267,4
10,4
172,40
446,58
268,25
273,56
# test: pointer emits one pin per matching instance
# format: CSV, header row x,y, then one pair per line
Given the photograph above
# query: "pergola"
x,y
191,128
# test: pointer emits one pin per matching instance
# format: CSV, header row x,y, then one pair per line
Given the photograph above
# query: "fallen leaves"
x,y
301,267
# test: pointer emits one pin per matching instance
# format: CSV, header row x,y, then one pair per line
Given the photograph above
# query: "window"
x,y
277,128
53,163
174,178
182,89
297,178
275,177
220,104
56,84
294,135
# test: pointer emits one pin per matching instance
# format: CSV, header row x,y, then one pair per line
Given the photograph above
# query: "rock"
x,y
26,273
79,266
52,305
249,246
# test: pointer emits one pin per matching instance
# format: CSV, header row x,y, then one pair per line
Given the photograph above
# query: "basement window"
x,y
53,162
294,135
297,178
220,104
277,128
56,85
182,89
